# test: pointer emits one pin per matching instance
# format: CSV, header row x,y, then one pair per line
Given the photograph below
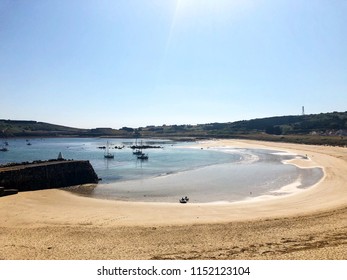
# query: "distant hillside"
x,y
324,128
23,128
325,123
18,128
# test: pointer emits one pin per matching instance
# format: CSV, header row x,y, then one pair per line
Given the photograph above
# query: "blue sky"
x,y
134,63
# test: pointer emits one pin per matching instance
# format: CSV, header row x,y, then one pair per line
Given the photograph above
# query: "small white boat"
x,y
107,153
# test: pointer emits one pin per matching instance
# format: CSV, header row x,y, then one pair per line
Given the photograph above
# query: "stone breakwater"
x,y
47,175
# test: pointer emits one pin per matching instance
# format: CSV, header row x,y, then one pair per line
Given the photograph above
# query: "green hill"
x,y
22,128
324,128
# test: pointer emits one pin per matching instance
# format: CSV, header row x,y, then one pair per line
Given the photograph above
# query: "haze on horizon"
x,y
136,63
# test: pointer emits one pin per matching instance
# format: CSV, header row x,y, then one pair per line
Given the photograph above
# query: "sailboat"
x,y
3,148
137,152
142,157
107,153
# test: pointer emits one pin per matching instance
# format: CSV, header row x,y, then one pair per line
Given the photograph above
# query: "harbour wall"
x,y
47,175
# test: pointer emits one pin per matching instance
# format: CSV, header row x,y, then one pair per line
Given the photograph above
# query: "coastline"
x,y
243,174
69,224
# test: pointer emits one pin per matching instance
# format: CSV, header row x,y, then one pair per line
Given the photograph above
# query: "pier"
x,y
45,175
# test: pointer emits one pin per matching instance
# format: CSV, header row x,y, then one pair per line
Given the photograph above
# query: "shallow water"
x,y
172,157
175,170
260,173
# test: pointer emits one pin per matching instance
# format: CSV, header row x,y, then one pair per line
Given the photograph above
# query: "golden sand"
x,y
307,224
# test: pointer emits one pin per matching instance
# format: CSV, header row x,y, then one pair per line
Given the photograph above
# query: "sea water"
x,y
175,169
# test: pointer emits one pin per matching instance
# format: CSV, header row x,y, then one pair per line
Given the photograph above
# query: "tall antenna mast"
x,y
303,110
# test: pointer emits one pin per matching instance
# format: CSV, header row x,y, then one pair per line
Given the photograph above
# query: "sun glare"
x,y
209,7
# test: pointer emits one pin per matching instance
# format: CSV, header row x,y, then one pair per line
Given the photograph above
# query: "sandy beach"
x,y
305,224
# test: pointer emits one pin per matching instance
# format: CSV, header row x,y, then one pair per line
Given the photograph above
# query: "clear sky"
x,y
104,63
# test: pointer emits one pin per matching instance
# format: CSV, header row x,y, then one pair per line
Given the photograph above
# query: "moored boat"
x,y
107,154
143,157
138,153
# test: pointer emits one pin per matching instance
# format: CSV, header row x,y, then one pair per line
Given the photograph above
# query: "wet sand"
x,y
306,224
